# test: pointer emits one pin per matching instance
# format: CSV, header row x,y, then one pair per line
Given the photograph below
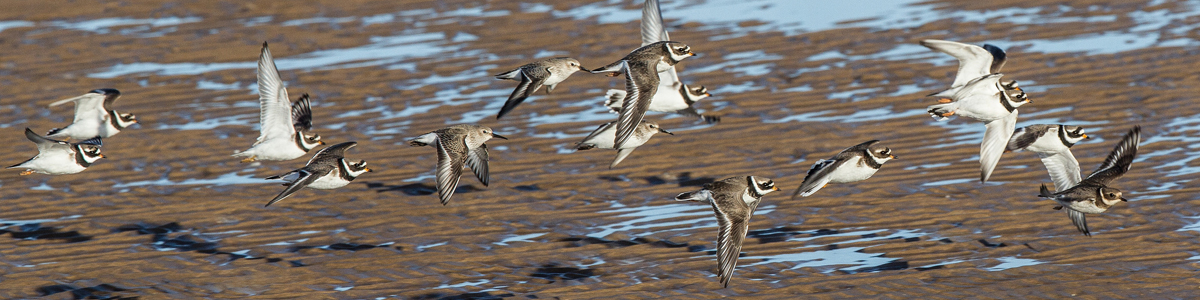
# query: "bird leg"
x,y
614,74
27,172
945,100
250,159
1058,207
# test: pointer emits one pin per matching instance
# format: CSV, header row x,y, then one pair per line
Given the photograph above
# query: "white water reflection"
x,y
379,52
1162,28
103,26
1013,262
224,179
4,25
853,257
865,115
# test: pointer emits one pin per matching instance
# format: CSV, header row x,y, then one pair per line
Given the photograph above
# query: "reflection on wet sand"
x,y
790,80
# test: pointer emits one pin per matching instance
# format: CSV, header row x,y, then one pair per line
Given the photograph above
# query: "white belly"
x,y
666,99
982,108
275,149
1048,143
1086,207
56,163
851,171
607,139
81,131
329,182
556,78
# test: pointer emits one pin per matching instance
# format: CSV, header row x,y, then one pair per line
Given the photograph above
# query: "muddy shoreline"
x,y
170,215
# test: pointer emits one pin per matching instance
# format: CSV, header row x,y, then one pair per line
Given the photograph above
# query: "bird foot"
x,y
250,159
27,172
946,114
945,100
1059,207
614,74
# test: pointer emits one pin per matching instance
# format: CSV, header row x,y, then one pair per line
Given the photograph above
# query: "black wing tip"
x,y
1044,192
93,141
106,91
510,105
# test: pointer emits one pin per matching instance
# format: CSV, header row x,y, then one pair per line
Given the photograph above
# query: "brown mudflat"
x,y
169,214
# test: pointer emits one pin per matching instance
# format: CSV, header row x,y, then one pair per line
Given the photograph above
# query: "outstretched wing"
x,y
88,107
982,89
530,83
275,110
449,170
1118,162
592,137
1080,221
477,160
302,114
621,154
1063,169
44,144
637,100
653,31
995,139
817,177
304,180
733,223
332,152
973,61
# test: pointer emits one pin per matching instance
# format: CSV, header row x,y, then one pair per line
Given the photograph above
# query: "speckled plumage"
x,y
734,200
457,146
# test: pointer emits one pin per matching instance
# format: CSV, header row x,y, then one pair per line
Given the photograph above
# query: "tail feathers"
x,y
1045,192
513,75
698,196
616,67
283,176
18,165
613,100
940,111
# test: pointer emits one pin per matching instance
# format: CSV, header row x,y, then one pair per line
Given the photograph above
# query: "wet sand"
x,y
170,215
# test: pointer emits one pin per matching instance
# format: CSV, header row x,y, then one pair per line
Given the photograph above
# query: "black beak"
x,y
1124,200
665,131
498,136
581,68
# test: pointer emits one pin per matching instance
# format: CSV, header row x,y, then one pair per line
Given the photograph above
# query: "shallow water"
x,y
792,82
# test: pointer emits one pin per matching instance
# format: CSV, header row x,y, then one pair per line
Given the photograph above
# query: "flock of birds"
x,y
651,84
